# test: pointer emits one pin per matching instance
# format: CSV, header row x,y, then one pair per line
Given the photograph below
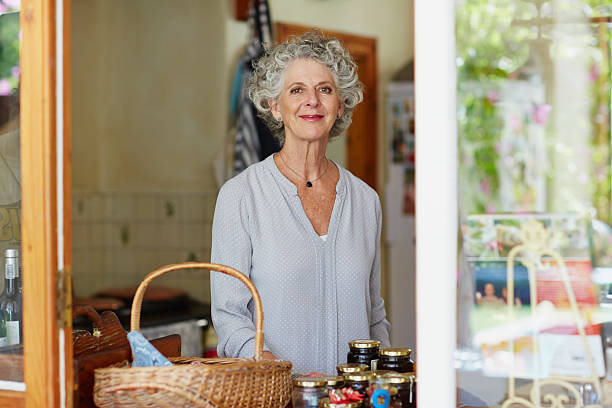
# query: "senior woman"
x,y
302,228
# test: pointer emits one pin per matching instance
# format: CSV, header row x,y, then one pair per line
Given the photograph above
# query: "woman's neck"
x,y
306,158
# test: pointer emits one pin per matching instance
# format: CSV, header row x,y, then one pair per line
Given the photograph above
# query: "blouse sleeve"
x,y
230,298
379,326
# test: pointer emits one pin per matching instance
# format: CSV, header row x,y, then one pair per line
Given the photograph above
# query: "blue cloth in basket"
x,y
145,355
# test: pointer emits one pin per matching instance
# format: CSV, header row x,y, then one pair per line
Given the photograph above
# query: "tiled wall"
x,y
118,238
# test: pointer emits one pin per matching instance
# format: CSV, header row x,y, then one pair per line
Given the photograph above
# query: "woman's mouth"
x,y
311,118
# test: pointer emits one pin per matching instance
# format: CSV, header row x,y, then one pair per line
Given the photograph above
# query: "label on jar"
x,y
380,398
374,364
12,332
4,341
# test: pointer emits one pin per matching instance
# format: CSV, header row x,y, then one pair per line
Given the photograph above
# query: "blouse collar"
x,y
289,188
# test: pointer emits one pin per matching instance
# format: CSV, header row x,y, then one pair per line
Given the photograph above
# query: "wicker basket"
x,y
216,383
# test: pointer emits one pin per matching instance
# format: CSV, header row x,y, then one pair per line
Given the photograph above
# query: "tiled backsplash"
x,y
118,238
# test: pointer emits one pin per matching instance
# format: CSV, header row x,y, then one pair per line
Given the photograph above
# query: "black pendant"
x,y
308,184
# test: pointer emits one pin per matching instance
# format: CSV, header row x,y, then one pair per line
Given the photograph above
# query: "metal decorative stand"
x,y
535,245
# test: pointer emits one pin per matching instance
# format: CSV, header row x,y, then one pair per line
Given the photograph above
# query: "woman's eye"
x,y
295,90
326,89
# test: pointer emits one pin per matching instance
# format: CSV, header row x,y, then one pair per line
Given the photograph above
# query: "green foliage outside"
x,y
9,47
489,49
488,45
493,46
600,118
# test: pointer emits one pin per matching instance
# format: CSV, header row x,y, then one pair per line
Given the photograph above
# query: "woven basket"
x,y
216,383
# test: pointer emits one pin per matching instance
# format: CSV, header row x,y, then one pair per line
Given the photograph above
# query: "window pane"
x,y
533,115
11,338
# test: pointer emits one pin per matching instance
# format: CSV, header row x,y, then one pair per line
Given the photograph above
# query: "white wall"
x,y
149,95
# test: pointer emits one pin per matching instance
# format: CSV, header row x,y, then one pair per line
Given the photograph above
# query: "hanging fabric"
x,y
254,141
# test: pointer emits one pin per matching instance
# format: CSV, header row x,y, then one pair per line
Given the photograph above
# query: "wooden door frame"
x,y
45,301
361,154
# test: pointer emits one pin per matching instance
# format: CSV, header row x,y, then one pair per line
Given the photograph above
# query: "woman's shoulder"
x,y
358,187
241,183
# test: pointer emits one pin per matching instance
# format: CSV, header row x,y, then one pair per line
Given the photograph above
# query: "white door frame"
x,y
436,201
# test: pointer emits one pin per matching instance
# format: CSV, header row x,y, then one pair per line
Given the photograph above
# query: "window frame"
x,y
45,213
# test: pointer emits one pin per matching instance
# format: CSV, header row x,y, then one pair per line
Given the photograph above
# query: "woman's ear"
x,y
340,109
273,104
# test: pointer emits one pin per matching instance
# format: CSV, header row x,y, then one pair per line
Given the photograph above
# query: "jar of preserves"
x,y
359,382
396,359
364,352
334,382
380,373
380,392
351,368
308,392
406,386
327,404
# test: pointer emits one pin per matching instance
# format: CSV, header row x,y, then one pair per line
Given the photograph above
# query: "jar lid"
x,y
334,379
351,368
360,376
397,378
380,373
395,352
325,403
310,382
364,344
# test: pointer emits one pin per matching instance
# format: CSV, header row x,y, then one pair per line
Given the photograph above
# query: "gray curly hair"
x,y
267,80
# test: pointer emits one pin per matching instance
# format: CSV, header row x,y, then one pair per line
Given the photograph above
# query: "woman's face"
x,y
308,103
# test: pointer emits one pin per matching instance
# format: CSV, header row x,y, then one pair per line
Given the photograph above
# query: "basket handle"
x,y
137,302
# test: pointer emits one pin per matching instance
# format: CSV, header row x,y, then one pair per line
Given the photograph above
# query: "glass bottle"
x,y
14,255
3,336
10,303
11,256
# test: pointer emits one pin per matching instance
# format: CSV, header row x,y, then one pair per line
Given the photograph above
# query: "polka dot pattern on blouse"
x,y
317,294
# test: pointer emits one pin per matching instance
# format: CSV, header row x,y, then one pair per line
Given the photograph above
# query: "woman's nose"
x,y
312,99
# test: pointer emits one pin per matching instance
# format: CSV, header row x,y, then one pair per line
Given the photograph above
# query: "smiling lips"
x,y
311,118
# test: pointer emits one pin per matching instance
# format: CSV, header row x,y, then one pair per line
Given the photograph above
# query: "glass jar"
x,y
406,386
327,404
380,373
380,392
396,359
351,368
364,352
359,382
334,382
308,392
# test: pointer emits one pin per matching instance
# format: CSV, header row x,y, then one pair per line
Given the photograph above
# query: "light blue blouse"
x,y
317,295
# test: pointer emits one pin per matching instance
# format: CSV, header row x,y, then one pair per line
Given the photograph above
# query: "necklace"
x,y
308,182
